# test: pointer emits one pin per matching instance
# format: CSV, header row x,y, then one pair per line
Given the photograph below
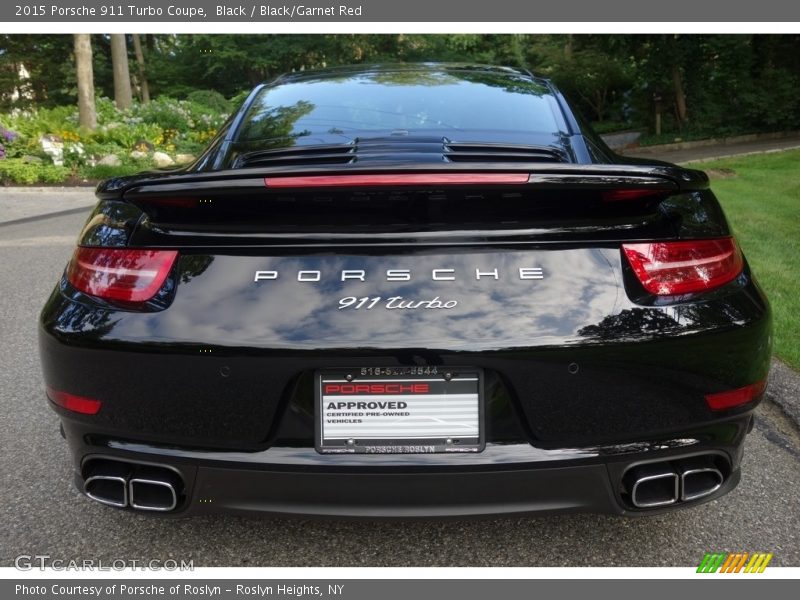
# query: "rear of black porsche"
x,y
501,331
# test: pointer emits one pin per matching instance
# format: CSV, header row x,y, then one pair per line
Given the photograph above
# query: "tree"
x,y
677,56
123,97
143,86
594,76
707,84
33,71
588,70
87,116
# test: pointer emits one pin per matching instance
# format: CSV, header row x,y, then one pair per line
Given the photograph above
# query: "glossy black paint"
x,y
585,373
282,330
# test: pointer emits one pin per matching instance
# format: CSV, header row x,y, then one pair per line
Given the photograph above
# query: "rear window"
x,y
391,101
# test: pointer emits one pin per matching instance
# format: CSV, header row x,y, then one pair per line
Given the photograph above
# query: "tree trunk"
x,y
568,47
122,79
680,95
145,89
600,104
87,115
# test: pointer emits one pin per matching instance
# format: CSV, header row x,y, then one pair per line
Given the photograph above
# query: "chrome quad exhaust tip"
x,y
700,477
662,483
653,485
107,482
130,485
154,489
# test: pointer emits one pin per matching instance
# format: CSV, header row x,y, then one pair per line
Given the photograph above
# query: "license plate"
x,y
399,410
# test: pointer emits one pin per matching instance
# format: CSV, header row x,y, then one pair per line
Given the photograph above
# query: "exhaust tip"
x,y
674,480
131,485
653,485
699,478
107,490
107,483
154,489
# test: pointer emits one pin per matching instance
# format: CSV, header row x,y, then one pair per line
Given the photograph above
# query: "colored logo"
x,y
738,562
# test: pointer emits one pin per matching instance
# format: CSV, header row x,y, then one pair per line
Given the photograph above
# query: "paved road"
x,y
691,155
20,203
41,513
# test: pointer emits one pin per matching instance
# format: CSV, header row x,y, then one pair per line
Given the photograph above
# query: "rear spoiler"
x,y
181,183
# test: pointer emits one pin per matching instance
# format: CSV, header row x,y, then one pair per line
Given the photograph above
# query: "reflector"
x,y
737,397
78,404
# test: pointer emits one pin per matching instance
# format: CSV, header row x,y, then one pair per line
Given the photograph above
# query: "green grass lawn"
x,y
762,202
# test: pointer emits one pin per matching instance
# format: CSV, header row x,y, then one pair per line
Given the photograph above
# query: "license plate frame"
x,y
453,393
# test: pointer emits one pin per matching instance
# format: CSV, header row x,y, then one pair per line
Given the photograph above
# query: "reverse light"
x,y
78,404
669,268
737,397
129,275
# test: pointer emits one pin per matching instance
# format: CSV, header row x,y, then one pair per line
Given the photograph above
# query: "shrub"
x,y
125,136
239,99
210,99
106,110
7,139
179,115
166,112
14,170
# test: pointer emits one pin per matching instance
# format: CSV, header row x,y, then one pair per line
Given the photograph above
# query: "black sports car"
x,y
398,291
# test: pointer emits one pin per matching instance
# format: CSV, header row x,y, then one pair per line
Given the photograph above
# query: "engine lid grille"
x,y
410,149
474,152
341,154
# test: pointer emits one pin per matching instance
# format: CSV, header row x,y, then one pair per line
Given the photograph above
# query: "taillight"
x,y
631,194
737,397
130,275
669,268
372,179
73,402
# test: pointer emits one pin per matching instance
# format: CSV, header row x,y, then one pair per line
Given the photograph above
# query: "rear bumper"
x,y
432,494
505,479
585,488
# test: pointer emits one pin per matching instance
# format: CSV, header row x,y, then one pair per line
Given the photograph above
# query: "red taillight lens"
x,y
78,404
737,397
632,194
669,268
120,273
370,179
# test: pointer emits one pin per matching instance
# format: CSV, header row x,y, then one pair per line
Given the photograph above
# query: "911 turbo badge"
x,y
395,302
481,311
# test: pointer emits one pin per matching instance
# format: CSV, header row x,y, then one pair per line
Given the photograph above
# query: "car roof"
x,y
430,67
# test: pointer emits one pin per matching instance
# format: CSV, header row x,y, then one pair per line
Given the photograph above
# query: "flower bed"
x,y
48,146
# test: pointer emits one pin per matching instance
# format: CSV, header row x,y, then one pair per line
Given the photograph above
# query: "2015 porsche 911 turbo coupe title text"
x,y
406,291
